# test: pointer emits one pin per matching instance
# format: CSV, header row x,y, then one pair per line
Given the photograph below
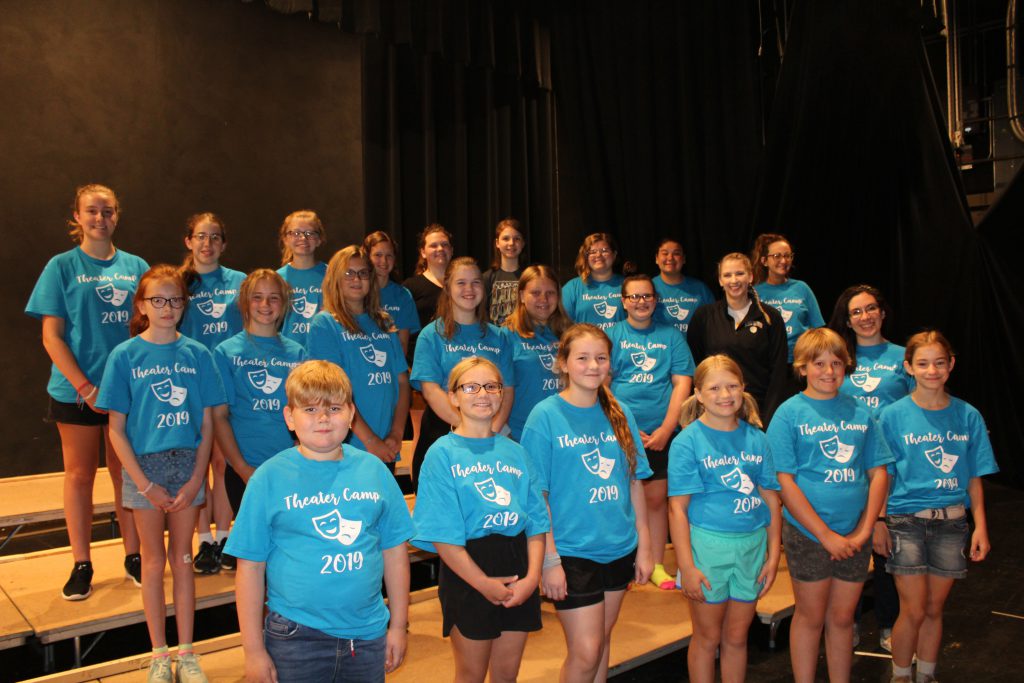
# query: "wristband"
x,y
90,394
554,560
881,518
146,490
84,385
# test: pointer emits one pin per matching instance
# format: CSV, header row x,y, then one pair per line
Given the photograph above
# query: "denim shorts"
x,y
301,653
928,546
809,561
730,561
171,469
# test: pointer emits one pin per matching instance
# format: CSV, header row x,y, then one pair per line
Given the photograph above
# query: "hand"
x,y
859,539
693,579
91,403
380,449
394,444
644,567
881,541
980,546
186,494
656,440
158,496
769,570
394,648
521,590
497,588
838,547
553,583
259,667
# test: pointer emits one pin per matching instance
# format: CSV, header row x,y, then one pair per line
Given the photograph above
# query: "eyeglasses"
x,y
867,310
783,256
475,387
599,252
213,237
298,234
363,274
646,296
161,301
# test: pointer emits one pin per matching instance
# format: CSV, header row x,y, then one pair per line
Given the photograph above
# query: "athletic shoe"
x,y
206,560
79,585
133,568
160,670
885,639
228,562
187,669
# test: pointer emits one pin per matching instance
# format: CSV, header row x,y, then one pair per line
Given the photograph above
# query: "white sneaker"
x,y
885,639
187,670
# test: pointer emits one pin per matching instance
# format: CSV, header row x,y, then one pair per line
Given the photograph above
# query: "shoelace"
x,y
190,662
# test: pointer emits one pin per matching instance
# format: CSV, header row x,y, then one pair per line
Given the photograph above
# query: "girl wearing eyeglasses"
x,y
160,388
595,296
301,233
460,330
356,333
212,316
83,298
491,553
652,373
773,259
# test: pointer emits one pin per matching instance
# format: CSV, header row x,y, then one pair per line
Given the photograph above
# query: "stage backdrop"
x,y
181,107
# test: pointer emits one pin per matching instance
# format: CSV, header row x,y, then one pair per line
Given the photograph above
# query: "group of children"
x,y
549,454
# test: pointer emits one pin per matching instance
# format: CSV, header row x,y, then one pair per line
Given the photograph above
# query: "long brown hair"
x,y
498,229
582,263
692,409
445,319
302,215
760,251
375,238
520,322
74,227
611,408
421,241
162,272
188,266
334,300
249,284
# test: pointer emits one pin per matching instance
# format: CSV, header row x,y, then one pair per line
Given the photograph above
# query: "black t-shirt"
x,y
425,295
501,288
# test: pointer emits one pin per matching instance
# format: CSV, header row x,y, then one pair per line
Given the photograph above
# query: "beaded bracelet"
x,y
146,490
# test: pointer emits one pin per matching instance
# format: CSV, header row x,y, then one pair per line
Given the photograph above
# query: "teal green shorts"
x,y
731,561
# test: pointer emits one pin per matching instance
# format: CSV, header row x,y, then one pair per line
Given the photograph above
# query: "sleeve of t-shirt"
x,y
643,468
406,319
223,364
767,477
682,358
538,521
506,360
438,515
426,363
781,442
982,458
47,296
397,354
250,537
115,391
883,431
813,310
570,298
683,477
322,339
210,385
705,296
876,451
396,525
536,441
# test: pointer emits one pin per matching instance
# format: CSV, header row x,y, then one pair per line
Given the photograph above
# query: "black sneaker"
x,y
79,585
133,568
207,560
228,562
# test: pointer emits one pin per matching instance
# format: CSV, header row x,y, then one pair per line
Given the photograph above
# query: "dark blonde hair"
x,y
377,237
751,292
467,364
582,263
816,341
421,241
334,300
301,215
927,338
188,266
760,251
317,382
520,322
692,408
611,408
249,284
498,229
74,227
445,319
162,272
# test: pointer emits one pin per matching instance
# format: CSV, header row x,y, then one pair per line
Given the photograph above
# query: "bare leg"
x,y
125,518
842,604
80,446
471,657
612,604
506,655
151,532
738,616
805,631
656,495
707,635
584,640
913,591
180,525
222,513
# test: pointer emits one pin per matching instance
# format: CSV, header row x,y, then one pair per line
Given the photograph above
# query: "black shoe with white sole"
x,y
79,585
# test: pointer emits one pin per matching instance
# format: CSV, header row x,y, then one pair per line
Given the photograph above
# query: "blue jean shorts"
x,y
928,546
731,562
171,469
301,653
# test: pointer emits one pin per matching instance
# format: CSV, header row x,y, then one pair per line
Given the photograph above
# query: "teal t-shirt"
x,y
676,303
436,356
796,302
536,373
307,298
879,378
398,302
213,314
597,303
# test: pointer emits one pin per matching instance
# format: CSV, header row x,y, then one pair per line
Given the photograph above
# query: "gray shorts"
x,y
809,561
171,469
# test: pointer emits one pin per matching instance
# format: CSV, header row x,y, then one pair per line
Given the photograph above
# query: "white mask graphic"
x,y
264,381
737,480
598,464
305,308
492,492
210,308
941,459
786,315
372,355
863,380
643,361
333,526
547,361
168,393
605,310
677,312
836,450
110,294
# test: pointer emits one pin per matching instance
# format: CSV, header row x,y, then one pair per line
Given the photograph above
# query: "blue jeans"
x,y
928,546
305,654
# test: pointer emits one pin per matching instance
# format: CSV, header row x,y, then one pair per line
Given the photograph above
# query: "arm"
x,y
552,574
187,493
155,494
437,399
394,437
508,396
374,444
980,545
881,542
525,586
60,353
771,564
679,526
658,439
839,547
644,559
496,589
878,489
396,581
249,592
403,337
224,435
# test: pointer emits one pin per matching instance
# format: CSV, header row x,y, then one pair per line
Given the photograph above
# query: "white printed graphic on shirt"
x,y
492,492
211,308
168,393
786,315
676,311
643,361
836,450
372,355
598,464
605,310
264,381
941,459
110,294
333,526
547,361
738,480
863,380
305,308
